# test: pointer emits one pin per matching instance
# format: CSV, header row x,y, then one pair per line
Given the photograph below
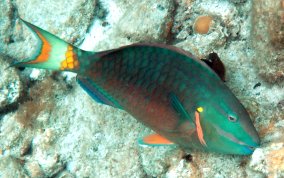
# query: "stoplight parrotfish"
x,y
181,98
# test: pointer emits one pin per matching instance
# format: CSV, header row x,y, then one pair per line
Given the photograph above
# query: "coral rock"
x,y
268,22
10,85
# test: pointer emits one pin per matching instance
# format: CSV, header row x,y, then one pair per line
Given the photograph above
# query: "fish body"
x,y
164,87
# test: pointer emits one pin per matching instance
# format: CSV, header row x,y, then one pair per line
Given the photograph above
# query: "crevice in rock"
x,y
14,15
14,106
100,11
58,172
23,97
170,38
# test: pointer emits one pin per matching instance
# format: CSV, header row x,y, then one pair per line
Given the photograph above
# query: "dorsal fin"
x,y
97,93
215,63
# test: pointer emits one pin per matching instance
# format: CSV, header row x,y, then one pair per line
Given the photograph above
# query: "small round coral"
x,y
202,24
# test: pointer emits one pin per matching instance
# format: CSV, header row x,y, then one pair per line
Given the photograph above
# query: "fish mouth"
x,y
247,148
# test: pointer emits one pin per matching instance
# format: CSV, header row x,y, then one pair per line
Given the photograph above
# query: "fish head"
x,y
227,127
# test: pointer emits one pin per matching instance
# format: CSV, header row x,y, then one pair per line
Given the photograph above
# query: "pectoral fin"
x,y
177,105
154,140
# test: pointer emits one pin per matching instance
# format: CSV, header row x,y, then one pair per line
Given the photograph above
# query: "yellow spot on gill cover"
x,y
200,109
71,61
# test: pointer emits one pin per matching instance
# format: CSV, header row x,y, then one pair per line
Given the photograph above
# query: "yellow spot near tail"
x,y
64,64
70,65
71,61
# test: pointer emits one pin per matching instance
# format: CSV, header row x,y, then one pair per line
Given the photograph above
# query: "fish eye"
x,y
232,118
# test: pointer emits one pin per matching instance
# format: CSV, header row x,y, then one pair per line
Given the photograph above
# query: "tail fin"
x,y
52,53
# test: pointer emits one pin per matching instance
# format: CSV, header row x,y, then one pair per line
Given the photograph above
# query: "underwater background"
x,y
50,127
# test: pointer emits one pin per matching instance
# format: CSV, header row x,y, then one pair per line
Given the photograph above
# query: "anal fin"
x,y
154,140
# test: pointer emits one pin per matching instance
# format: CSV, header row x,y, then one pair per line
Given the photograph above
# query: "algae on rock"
x,y
268,39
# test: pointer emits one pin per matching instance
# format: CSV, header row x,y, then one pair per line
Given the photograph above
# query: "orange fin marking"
x,y
71,61
156,139
199,128
45,50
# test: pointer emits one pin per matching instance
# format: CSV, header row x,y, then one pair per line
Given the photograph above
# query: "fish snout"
x,y
252,145
254,140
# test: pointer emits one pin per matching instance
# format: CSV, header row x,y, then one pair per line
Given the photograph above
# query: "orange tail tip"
x,y
154,140
52,52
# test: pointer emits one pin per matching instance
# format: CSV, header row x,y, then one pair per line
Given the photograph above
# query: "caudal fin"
x,y
52,52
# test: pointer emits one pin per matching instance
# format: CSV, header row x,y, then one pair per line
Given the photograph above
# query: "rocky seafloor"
x,y
50,127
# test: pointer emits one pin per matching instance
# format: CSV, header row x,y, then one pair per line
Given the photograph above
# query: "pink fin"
x,y
155,140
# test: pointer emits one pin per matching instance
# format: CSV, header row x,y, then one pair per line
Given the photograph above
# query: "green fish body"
x,y
164,87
